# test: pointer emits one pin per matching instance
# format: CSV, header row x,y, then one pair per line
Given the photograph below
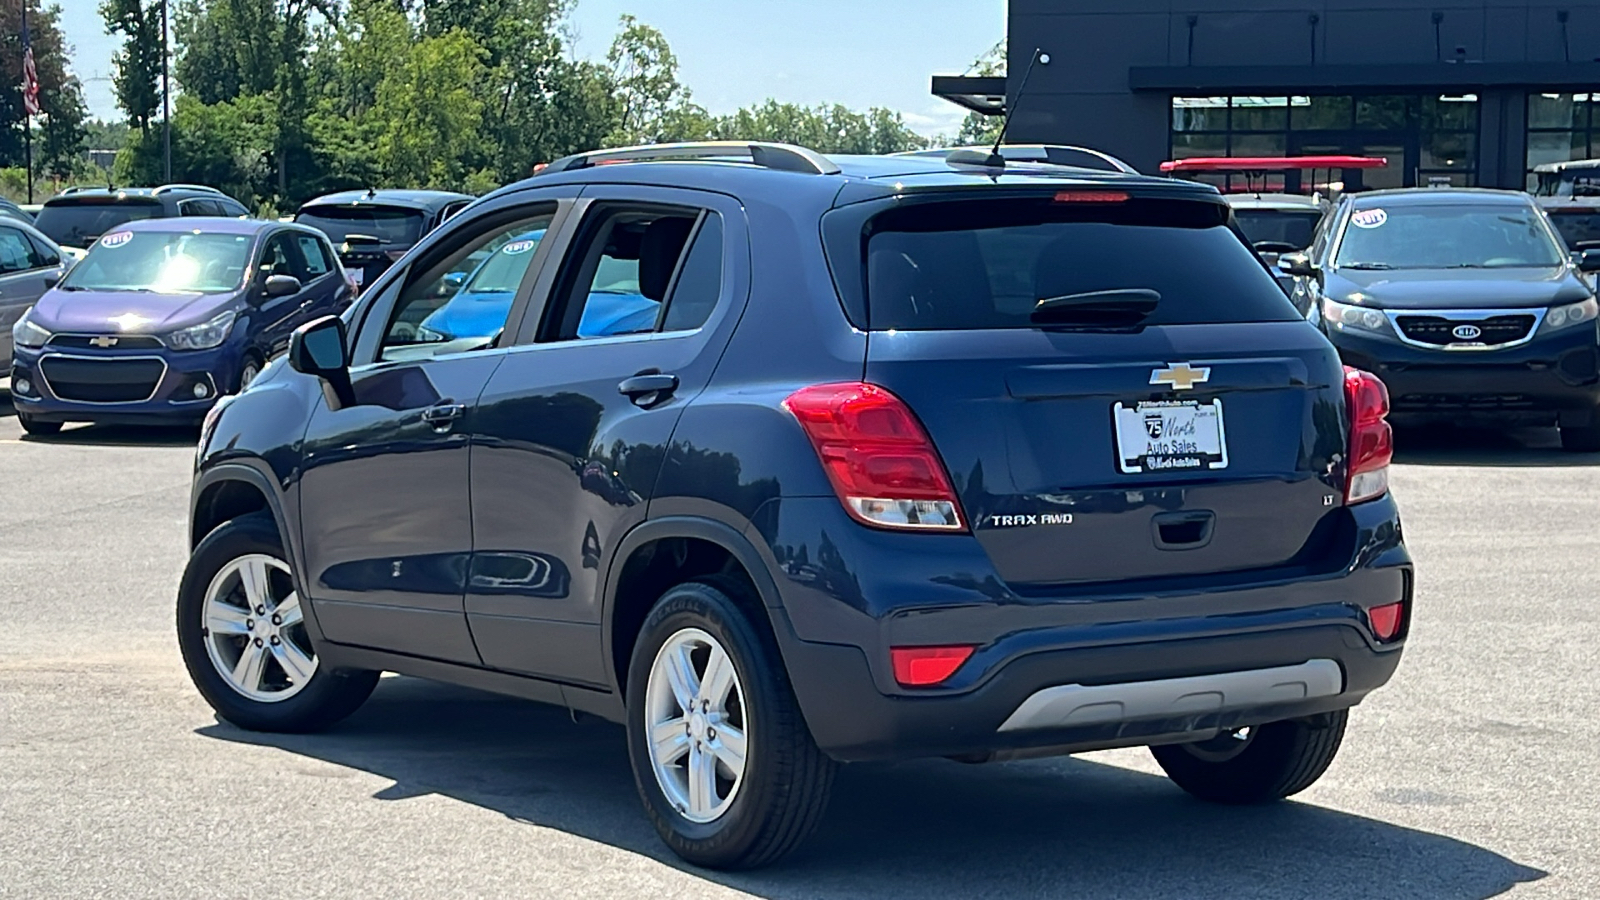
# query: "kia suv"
x,y
912,459
1465,303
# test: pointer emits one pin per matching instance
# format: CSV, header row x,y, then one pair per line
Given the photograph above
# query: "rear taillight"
x,y
1371,437
925,666
1387,620
878,457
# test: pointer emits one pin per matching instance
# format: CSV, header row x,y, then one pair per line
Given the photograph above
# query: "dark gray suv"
x,y
78,216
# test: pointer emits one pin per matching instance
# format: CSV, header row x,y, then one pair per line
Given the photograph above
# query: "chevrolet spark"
x,y
916,457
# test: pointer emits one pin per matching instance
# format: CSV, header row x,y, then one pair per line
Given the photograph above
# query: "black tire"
x,y
328,695
249,368
1278,760
1582,440
34,426
786,780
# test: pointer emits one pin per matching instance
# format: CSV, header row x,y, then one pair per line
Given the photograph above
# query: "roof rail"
x,y
784,157
186,187
1047,154
86,187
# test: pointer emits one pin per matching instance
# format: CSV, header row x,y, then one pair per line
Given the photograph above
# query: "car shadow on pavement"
x,y
108,435
1061,828
1457,446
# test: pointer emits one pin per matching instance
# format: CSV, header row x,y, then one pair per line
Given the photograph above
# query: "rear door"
x,y
1085,450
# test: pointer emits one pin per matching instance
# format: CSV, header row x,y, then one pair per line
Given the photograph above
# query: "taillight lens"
x,y
1371,437
877,455
925,666
1386,620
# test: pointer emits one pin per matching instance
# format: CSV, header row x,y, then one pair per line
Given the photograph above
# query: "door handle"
x,y
648,387
443,416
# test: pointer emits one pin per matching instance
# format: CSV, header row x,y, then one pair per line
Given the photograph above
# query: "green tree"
x,y
826,129
58,129
977,128
431,113
644,75
137,66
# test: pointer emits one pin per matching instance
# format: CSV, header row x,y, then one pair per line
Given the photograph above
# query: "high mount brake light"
x,y
1091,197
926,666
878,457
1371,437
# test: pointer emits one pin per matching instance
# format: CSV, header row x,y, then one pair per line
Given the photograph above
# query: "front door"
x,y
573,427
276,317
385,513
24,277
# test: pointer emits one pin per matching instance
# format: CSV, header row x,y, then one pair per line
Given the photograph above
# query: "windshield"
x,y
78,224
1447,236
162,262
989,263
394,226
1287,226
502,272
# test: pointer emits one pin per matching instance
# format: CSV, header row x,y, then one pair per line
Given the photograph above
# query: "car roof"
x,y
401,197
1438,197
1274,201
205,225
857,177
75,194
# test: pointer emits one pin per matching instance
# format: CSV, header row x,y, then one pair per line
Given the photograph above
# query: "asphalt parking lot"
x,y
1472,775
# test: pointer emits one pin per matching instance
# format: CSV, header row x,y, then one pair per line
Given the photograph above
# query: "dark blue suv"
x,y
917,457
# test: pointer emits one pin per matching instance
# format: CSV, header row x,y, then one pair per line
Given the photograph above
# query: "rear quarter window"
x,y
983,264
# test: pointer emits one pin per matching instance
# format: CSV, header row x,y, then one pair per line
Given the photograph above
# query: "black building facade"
x,y
1455,91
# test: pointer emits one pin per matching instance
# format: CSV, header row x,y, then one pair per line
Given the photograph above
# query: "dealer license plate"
x,y
357,276
1170,436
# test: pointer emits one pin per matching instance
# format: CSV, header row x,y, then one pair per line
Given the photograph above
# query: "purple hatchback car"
x,y
164,315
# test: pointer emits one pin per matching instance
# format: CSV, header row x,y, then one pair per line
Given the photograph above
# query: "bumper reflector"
x,y
1386,620
924,666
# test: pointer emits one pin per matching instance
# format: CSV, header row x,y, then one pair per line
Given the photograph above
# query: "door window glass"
x,y
275,258
621,270
317,263
699,284
16,254
464,298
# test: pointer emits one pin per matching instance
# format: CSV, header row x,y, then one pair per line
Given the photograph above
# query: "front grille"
x,y
98,342
1440,331
109,380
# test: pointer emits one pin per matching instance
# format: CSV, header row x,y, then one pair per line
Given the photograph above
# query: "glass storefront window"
x,y
1321,113
1447,150
1260,145
1200,114
1561,128
1187,145
1260,114
1382,113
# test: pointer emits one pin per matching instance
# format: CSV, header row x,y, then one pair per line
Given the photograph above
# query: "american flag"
x,y
30,74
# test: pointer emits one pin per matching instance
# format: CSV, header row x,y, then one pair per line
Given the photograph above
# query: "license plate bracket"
x,y
1169,436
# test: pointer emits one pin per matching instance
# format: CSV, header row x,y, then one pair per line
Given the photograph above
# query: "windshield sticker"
x,y
1369,218
515,247
116,239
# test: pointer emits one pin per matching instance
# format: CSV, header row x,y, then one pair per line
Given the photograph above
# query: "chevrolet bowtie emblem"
x,y
103,341
1181,376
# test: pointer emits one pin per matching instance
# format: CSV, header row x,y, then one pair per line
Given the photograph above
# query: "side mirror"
x,y
454,281
1589,261
321,348
1297,264
281,285
1581,246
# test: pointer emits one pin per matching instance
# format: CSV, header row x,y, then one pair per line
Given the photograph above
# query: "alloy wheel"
x,y
698,730
255,629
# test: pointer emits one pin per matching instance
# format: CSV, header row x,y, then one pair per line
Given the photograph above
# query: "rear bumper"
x,y
1080,671
1547,379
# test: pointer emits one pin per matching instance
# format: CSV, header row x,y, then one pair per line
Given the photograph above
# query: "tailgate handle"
x,y
1183,530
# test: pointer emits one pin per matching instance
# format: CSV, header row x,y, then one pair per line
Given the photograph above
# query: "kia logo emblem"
x,y
1467,332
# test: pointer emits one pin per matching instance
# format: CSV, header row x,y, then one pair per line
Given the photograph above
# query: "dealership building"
x,y
1465,92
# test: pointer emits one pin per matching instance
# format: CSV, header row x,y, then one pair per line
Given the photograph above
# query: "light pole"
x,y
166,98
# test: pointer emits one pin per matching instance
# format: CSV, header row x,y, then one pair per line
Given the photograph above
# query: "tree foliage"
x,y
58,129
977,128
283,100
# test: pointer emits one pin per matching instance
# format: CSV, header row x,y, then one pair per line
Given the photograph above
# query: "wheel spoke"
x,y
680,675
222,618
252,662
702,781
289,611
253,578
729,747
718,680
298,666
669,741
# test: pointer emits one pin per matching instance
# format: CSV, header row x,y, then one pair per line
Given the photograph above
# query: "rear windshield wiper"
x,y
1121,306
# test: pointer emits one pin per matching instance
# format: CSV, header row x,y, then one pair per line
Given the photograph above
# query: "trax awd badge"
x,y
1181,376
1027,519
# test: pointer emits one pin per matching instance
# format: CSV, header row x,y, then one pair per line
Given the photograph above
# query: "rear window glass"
x,y
1286,226
1577,225
79,224
394,226
988,264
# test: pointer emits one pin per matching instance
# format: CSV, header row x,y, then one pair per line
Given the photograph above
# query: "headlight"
x,y
203,336
1344,317
27,334
1571,314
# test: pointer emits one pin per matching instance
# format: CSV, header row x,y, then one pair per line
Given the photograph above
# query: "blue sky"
x,y
857,52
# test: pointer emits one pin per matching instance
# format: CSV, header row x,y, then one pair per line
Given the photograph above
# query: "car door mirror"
x,y
1297,264
280,285
321,348
1589,261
